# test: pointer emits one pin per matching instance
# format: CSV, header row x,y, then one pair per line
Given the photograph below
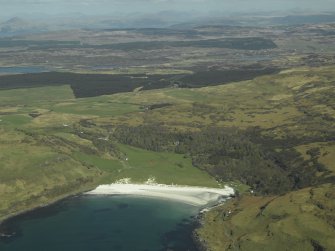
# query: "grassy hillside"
x,y
299,220
274,135
49,149
245,131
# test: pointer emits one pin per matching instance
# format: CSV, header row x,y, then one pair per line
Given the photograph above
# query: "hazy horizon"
x,y
37,8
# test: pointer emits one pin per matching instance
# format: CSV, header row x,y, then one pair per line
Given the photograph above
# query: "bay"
x,y
113,223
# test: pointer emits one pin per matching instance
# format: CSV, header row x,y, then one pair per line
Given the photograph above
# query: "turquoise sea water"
x,y
113,223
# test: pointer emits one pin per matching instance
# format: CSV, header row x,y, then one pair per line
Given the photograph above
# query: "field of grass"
x,y
166,168
95,108
135,70
35,96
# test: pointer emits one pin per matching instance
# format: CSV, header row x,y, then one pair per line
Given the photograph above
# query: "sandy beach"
x,y
197,196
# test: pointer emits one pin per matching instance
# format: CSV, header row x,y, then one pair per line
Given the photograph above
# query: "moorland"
x,y
251,107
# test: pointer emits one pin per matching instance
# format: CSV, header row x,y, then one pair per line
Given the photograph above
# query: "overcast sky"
x,y
94,7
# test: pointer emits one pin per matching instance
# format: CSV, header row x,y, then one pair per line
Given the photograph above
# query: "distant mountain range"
x,y
21,26
304,19
17,26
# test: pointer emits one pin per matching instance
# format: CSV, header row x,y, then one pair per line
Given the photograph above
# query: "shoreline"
x,y
89,191
192,195
58,199
203,197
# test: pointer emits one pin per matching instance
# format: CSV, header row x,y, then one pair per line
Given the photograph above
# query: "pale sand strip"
x,y
198,196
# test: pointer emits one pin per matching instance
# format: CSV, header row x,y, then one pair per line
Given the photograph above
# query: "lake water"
x,y
113,223
21,69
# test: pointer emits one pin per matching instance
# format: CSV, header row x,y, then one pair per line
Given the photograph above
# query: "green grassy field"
x,y
140,165
35,96
166,168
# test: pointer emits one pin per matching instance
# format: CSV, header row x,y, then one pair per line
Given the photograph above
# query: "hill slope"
x,y
274,135
299,220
